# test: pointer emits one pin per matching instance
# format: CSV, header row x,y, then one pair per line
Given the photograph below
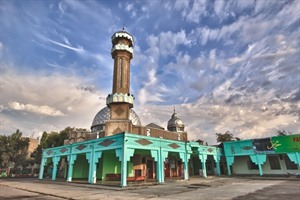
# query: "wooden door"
x,y
167,170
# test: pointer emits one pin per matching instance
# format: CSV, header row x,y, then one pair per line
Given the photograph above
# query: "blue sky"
x,y
225,65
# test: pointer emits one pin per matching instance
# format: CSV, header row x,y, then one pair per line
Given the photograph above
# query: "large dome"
x,y
104,114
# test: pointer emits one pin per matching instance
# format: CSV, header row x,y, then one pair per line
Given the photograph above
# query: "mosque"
x,y
119,149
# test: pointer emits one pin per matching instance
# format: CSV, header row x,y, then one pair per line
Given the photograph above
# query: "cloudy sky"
x,y
224,65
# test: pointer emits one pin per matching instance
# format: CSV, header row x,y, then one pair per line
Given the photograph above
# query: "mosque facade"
x,y
119,149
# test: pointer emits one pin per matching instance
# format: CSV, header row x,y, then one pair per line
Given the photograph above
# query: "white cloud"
x,y
151,92
198,9
78,49
245,4
219,7
46,97
181,5
145,96
192,11
45,110
62,6
129,7
166,43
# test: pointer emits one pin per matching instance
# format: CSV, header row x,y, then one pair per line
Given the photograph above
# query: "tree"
x,y
48,140
36,155
227,136
43,141
14,150
283,133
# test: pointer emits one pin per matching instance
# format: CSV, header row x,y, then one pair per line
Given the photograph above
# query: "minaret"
x,y
120,101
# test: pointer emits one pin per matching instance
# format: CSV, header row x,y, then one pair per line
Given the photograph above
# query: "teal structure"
x,y
95,159
124,146
259,149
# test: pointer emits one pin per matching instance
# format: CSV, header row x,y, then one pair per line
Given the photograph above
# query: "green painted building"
x,y
125,157
271,156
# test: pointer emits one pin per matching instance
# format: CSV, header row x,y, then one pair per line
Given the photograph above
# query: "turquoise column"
x,y
90,158
157,175
160,169
154,154
188,152
93,159
163,156
124,155
260,170
217,159
124,164
71,160
97,156
184,157
229,162
186,167
55,161
42,168
294,157
203,158
124,168
218,167
259,160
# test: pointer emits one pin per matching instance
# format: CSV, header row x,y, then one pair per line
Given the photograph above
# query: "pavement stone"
x,y
193,189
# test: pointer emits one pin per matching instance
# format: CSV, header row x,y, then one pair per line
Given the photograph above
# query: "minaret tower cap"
x,y
122,40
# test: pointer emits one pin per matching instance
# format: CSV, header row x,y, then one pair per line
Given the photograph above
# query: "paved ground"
x,y
195,189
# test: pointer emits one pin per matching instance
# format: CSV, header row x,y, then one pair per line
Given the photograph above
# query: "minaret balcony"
x,y
119,98
122,34
123,47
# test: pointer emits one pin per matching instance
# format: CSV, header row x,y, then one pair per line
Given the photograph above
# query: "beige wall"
x,y
158,133
240,166
33,144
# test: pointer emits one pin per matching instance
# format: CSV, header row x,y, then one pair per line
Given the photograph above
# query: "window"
x,y
289,164
120,72
252,165
274,162
138,172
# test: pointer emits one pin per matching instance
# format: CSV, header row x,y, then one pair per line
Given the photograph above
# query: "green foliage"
x,y
227,136
36,155
44,139
283,133
48,140
13,150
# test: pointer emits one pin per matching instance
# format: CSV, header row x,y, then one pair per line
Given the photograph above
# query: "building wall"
x,y
267,169
77,135
240,167
111,163
81,167
33,144
195,165
158,133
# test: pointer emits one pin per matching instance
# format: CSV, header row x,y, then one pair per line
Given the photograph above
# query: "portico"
x,y
121,156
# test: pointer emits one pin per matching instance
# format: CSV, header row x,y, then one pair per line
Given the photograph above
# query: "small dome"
x,y
175,124
104,114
